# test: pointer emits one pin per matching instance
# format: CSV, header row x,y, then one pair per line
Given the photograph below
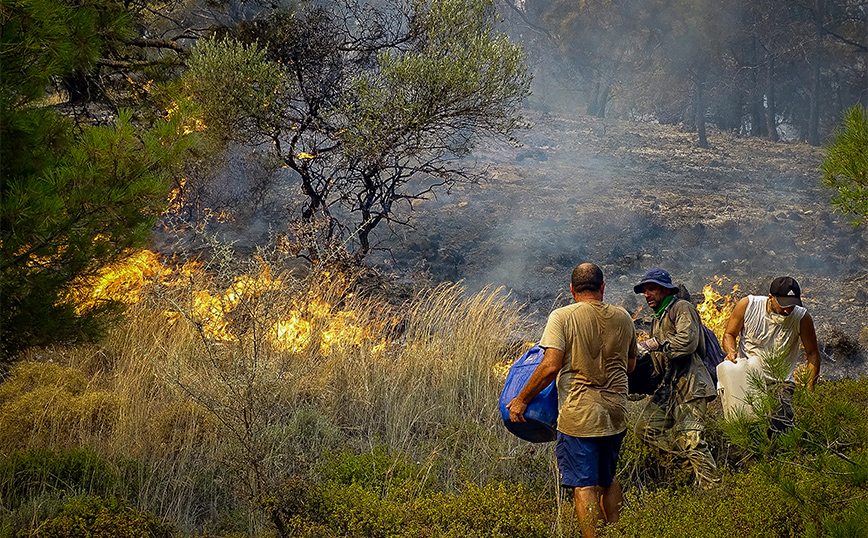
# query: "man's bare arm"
x,y
733,328
808,335
544,374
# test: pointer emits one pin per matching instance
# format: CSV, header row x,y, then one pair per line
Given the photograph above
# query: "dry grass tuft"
x,y
219,392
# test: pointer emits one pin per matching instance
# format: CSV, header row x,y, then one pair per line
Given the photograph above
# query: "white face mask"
x,y
777,319
774,317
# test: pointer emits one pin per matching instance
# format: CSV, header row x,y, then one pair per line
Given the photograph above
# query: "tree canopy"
x,y
373,106
75,196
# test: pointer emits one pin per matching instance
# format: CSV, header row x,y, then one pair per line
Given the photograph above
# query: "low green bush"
x,y
383,494
744,508
490,511
836,413
30,473
98,517
45,405
381,469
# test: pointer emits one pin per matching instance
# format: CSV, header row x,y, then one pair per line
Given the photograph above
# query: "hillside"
x,y
629,196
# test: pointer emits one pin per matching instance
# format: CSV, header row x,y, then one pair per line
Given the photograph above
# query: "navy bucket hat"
x,y
656,275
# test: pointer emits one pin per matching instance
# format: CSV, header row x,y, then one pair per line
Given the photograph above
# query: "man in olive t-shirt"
x,y
589,346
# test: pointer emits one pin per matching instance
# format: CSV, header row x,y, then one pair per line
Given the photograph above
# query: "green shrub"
x,y
490,511
381,470
30,473
380,495
835,412
746,506
98,517
43,403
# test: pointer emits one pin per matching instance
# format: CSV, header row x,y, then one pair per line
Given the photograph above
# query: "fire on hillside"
x,y
716,308
309,318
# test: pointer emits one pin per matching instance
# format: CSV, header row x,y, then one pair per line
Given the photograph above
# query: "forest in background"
x,y
201,411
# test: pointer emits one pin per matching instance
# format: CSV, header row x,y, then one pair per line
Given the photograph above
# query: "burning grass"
x,y
266,400
245,383
715,308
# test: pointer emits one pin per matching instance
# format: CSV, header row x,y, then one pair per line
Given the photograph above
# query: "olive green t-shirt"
x,y
596,339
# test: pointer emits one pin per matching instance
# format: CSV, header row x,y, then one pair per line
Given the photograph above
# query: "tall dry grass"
x,y
211,422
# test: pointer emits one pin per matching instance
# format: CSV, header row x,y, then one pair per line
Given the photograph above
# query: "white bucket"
x,y
734,385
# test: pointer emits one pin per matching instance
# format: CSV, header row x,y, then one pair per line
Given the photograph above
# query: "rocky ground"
x,y
630,196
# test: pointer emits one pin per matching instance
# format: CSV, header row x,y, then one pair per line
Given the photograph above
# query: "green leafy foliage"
x,y
845,168
235,86
99,517
463,71
373,105
377,470
31,473
491,511
386,494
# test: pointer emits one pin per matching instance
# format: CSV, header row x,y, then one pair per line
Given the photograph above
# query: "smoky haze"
x,y
610,172
630,196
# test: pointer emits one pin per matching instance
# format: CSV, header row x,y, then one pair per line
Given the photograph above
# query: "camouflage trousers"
x,y
677,429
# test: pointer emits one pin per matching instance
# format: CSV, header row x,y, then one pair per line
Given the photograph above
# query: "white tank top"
x,y
765,332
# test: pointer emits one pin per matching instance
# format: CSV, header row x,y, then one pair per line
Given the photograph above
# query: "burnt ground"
x,y
630,196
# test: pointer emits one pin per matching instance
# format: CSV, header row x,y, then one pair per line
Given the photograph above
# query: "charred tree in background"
x,y
767,63
373,106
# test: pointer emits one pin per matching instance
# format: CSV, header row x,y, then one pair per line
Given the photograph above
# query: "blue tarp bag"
x,y
542,411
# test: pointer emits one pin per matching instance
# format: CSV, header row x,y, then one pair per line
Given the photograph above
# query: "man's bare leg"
x,y
588,509
611,499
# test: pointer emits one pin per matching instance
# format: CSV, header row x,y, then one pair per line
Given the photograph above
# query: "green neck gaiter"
x,y
663,305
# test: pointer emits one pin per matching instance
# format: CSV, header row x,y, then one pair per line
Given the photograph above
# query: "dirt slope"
x,y
630,196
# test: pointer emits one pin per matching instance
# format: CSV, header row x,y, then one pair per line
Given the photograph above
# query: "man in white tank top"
x,y
775,324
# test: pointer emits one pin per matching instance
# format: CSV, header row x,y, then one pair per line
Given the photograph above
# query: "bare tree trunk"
x,y
699,105
599,98
814,117
757,120
771,112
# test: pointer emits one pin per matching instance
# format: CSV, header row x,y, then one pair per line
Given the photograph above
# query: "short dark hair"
x,y
587,277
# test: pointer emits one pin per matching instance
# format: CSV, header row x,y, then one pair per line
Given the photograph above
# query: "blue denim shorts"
x,y
588,461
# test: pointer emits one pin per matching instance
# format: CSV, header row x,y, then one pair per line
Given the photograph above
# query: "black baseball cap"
x,y
786,291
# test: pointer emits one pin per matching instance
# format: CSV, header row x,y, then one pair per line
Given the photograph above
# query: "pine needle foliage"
x,y
75,197
845,168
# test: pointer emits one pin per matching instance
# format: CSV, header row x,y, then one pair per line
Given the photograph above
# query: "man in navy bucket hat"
x,y
673,418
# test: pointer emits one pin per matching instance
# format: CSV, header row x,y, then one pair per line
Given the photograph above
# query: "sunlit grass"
x,y
243,436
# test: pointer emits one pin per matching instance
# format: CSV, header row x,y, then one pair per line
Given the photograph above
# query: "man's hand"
x,y
732,356
649,344
516,410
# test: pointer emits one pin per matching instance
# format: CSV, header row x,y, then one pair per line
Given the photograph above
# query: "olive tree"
x,y
374,104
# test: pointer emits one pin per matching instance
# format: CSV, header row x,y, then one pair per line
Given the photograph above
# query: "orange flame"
x,y
312,323
120,282
716,308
